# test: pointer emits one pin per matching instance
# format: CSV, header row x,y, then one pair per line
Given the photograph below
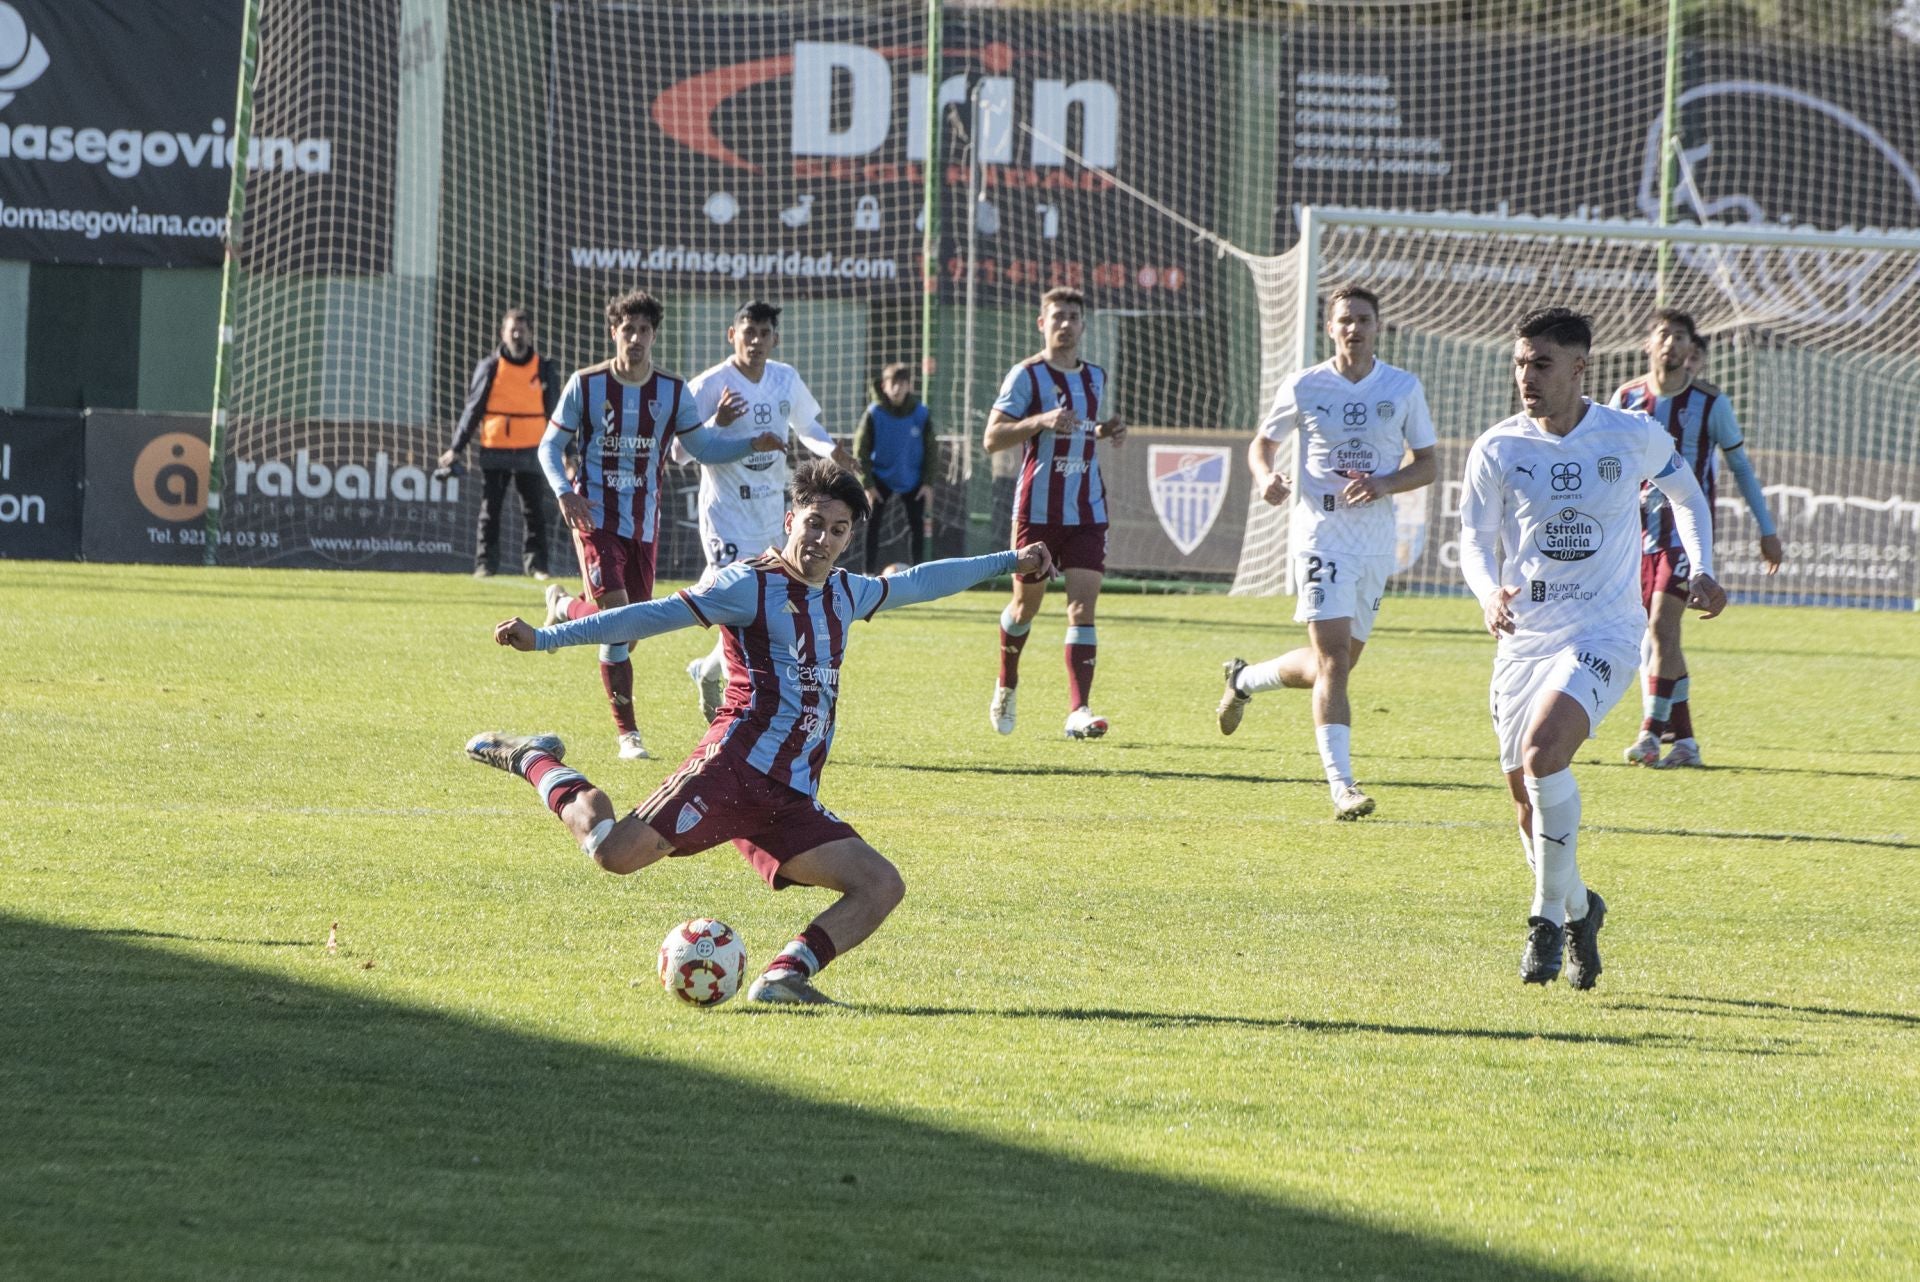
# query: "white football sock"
x,y
1558,892
1257,678
1335,756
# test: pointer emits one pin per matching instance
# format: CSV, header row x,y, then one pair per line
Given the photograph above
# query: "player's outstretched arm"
x,y
932,580
609,627
707,446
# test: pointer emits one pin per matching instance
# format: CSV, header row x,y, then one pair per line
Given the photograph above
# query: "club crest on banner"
x,y
1188,484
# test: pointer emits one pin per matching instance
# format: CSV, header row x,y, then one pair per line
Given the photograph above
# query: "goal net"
x,y
487,154
1812,336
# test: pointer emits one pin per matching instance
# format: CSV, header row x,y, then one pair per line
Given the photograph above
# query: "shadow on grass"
x,y
1036,769
1746,1007
175,1118
1708,834
1176,1019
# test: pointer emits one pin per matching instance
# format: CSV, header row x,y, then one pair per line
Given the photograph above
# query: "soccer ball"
x,y
701,961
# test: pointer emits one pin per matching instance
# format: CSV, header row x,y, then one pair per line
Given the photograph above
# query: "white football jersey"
x,y
1566,513
742,504
1346,430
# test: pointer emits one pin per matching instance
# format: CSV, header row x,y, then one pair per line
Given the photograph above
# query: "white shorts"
x,y
1596,676
1340,585
725,545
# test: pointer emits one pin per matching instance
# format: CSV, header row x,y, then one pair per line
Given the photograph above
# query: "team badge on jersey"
x,y
1385,410
1188,485
1609,469
690,816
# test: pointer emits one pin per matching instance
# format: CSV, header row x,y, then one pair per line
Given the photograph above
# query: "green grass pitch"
x,y
1147,1012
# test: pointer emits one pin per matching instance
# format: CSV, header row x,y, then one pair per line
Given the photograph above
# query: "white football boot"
x,y
1000,711
787,987
1685,752
1351,803
1082,724
712,689
1644,751
631,748
557,603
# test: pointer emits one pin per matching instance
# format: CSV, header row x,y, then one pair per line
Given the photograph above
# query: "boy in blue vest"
x,y
894,447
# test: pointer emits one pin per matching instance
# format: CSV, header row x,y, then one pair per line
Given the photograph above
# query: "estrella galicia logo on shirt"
x,y
1566,478
758,462
1569,535
1609,469
1600,667
1352,456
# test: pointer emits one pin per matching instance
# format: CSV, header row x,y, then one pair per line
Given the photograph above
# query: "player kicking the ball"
x,y
754,779
1550,545
1049,405
1365,435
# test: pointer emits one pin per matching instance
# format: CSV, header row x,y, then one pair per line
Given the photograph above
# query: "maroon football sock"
x,y
618,680
1658,705
1682,715
1010,648
556,782
1079,674
809,952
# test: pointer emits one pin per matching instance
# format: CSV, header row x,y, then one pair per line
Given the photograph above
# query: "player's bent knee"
x,y
627,847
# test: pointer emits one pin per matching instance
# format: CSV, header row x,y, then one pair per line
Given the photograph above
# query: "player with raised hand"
x,y
1699,418
784,617
1549,542
621,415
1050,406
749,396
1365,435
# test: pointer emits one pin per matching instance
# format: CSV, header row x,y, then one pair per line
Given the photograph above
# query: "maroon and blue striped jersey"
x,y
623,433
1059,471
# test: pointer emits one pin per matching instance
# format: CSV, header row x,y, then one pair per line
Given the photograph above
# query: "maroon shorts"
x,y
614,563
1074,547
1663,571
716,796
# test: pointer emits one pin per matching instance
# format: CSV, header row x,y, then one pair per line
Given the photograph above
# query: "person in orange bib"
x,y
513,392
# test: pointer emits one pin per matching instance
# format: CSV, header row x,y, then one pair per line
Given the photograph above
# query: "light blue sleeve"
x,y
553,458
617,627
691,415
1725,431
708,446
1016,393
567,414
731,598
926,582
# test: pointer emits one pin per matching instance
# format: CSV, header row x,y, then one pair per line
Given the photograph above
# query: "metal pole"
x,y
1668,157
230,272
930,204
973,280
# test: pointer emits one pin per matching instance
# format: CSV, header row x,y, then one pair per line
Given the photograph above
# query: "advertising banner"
x,y
116,143
41,460
787,148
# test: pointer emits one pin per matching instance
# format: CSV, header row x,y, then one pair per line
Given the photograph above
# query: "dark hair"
x,y
635,302
1700,340
520,314
1674,316
1358,294
1561,326
817,480
759,312
887,375
1063,294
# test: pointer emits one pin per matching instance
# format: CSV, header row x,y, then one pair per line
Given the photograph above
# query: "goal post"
x,y
1812,335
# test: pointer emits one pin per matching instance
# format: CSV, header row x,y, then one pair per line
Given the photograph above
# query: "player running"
x,y
1050,405
741,503
1698,416
1365,435
1549,526
755,778
622,415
